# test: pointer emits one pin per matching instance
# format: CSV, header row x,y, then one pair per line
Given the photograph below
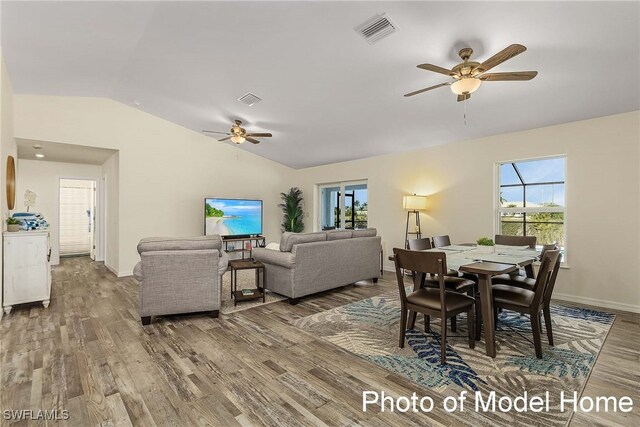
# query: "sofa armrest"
x,y
269,256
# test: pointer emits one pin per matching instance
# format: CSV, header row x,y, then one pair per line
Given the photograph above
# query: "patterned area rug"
x,y
370,329
246,279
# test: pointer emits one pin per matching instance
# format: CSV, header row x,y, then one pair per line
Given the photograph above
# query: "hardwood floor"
x,y
88,353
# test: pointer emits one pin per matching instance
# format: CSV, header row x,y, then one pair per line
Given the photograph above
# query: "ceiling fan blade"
x,y
260,135
213,131
426,89
516,75
464,97
224,139
497,59
251,140
436,69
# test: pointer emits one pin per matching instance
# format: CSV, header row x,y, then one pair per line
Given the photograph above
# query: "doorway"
x,y
344,205
77,220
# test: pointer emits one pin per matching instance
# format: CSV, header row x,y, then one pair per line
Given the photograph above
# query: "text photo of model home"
x,y
320,213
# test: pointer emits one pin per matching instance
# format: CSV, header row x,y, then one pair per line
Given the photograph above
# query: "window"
x,y
531,200
349,198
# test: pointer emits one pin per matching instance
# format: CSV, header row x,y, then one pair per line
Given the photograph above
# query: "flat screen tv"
x,y
232,217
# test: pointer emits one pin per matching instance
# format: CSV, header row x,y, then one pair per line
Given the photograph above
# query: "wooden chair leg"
x,y
443,342
547,323
478,311
535,329
412,319
403,326
471,328
495,317
454,325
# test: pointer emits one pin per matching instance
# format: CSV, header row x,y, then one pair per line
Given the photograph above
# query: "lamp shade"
x,y
414,203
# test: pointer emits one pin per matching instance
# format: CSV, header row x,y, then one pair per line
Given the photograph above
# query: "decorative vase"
x,y
13,227
486,249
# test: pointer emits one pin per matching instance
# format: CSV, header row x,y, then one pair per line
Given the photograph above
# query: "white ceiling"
x,y
67,153
327,95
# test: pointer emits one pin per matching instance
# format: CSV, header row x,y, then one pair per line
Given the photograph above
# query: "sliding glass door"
x,y
343,205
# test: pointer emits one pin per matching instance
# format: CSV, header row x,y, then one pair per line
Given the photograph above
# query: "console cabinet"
x,y
27,269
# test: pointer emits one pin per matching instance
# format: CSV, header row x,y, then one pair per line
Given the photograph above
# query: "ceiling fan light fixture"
x,y
237,139
466,85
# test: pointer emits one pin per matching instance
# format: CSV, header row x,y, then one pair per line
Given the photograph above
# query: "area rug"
x,y
370,329
246,280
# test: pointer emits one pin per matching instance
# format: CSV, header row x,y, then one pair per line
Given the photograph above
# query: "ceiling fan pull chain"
x,y
465,111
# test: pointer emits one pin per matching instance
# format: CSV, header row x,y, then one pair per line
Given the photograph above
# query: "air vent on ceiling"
x,y
376,28
249,99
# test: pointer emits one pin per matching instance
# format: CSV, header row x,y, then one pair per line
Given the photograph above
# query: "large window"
x,y
343,205
531,200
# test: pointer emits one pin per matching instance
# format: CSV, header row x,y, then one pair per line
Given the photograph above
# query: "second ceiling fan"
x,y
469,75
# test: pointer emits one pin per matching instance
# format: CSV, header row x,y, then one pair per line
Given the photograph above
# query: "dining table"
x,y
468,258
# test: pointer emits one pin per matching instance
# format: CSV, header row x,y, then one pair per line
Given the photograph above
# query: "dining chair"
x,y
531,301
529,284
420,244
452,281
441,241
503,239
437,302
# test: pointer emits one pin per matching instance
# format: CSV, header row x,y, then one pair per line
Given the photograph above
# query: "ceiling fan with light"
x,y
238,134
469,75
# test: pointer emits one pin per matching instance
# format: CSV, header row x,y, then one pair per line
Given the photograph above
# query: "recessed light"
x,y
37,146
39,155
137,103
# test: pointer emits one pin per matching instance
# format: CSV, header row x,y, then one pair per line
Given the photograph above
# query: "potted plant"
x,y
292,210
485,245
14,224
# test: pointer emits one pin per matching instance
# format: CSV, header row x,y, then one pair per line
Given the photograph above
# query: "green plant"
x,y
292,210
13,221
485,241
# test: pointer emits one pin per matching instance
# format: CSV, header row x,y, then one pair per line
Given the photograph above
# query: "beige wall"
x,y
165,170
43,178
7,146
603,196
112,211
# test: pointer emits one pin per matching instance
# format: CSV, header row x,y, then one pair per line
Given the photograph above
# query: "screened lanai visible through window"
x,y
531,200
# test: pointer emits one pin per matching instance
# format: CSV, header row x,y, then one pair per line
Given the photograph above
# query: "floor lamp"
x,y
413,204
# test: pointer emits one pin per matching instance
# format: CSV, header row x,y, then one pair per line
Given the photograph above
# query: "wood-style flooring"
x,y
88,353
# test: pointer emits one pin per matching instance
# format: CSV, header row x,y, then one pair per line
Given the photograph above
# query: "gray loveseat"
x,y
180,275
308,263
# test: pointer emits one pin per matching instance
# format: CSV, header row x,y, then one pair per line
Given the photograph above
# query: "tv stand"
x,y
242,241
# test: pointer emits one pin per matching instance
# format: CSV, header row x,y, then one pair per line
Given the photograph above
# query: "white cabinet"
x,y
27,271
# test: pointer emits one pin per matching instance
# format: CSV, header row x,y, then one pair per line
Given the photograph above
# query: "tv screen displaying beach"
x,y
230,217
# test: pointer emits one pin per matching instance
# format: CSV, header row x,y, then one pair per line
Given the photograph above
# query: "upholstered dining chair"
x,y
420,244
441,241
531,301
437,302
503,239
529,284
452,281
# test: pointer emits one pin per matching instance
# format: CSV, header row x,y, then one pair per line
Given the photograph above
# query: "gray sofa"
x,y
308,263
180,275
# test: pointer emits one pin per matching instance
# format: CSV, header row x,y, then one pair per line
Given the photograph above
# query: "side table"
x,y
247,264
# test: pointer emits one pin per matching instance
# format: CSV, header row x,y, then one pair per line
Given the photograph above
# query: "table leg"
x,y
231,282
235,285
528,269
486,299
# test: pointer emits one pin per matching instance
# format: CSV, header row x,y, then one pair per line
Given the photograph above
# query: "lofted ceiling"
x,y
328,96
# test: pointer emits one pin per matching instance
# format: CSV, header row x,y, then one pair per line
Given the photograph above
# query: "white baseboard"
x,y
597,302
125,273
116,272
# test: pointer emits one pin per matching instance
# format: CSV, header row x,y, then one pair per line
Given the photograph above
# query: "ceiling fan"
x,y
469,75
238,134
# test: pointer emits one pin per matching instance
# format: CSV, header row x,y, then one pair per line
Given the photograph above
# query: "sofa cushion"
x,y
339,234
150,244
289,239
367,232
